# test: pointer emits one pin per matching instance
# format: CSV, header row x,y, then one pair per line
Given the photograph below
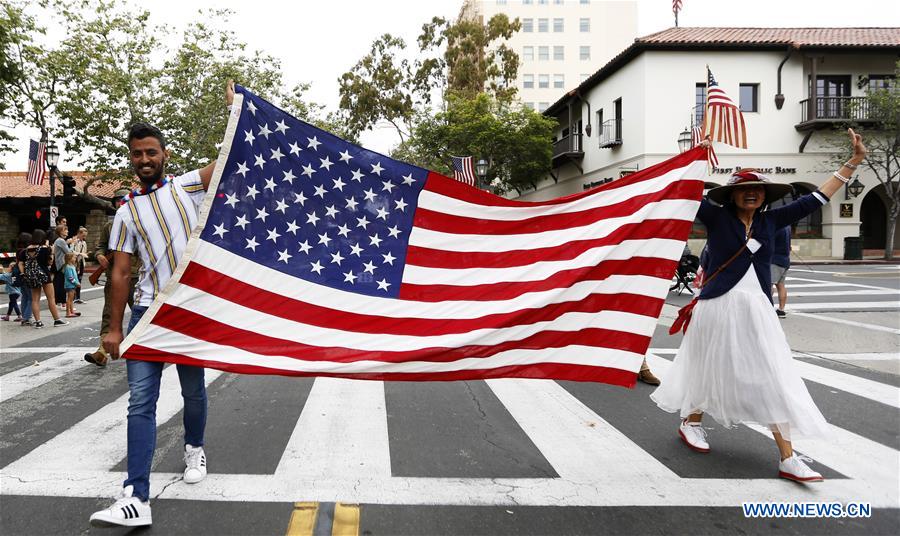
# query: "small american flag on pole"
x,y
316,257
723,120
463,169
36,163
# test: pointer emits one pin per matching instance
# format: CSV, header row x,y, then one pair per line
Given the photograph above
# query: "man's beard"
x,y
152,179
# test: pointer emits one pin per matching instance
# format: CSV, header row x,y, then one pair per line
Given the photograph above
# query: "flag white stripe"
x,y
261,277
670,209
573,355
662,248
457,207
263,323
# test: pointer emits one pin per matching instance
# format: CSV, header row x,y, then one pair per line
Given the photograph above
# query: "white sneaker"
x,y
693,435
195,462
127,511
795,469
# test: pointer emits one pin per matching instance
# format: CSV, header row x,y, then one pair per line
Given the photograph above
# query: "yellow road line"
x,y
303,519
346,520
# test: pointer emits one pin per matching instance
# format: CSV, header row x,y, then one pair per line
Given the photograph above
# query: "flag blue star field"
x,y
316,257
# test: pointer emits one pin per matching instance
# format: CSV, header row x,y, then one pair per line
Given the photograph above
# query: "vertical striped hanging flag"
x,y
316,257
37,165
464,170
723,120
696,136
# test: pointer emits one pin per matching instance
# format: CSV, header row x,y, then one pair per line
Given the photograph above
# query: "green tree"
x,y
515,140
465,57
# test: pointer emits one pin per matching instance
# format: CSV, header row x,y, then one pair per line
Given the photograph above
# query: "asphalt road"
x,y
495,457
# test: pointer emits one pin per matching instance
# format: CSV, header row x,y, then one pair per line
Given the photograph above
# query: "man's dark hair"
x,y
139,131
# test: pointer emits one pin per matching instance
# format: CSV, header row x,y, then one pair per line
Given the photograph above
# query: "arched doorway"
x,y
809,226
873,218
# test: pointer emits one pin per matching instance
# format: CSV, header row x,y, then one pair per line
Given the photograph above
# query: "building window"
x,y
617,104
558,25
542,2
543,53
585,2
584,52
543,106
543,25
527,2
584,24
880,81
559,53
527,25
558,2
528,81
583,77
699,103
528,54
543,81
501,2
749,97
529,105
559,81
809,226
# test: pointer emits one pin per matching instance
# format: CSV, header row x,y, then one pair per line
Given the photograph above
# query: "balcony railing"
x,y
611,133
834,109
568,145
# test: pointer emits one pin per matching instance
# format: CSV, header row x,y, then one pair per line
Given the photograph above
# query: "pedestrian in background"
x,y
79,247
60,248
22,243
72,282
34,263
781,261
13,292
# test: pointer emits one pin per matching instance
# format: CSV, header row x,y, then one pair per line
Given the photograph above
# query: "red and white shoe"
x,y
694,436
795,468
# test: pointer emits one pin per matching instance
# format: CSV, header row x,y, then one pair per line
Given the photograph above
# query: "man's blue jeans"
x,y
26,303
143,382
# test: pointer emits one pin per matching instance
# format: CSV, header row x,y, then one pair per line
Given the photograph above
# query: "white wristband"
x,y
841,178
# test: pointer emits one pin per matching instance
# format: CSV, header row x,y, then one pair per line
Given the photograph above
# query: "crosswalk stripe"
x,y
97,442
579,444
803,294
843,306
874,327
842,284
30,376
342,432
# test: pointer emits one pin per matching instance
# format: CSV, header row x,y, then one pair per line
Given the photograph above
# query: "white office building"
x,y
640,102
561,41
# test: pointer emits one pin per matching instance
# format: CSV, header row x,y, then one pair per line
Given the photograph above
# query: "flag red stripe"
x,y
555,371
436,258
210,330
450,223
440,184
264,301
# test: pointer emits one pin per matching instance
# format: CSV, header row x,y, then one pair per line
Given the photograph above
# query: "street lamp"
x,y
684,140
481,170
853,189
52,161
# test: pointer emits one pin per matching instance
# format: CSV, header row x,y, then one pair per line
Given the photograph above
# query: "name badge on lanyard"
x,y
753,245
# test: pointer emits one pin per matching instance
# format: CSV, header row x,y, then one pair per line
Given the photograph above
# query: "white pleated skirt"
x,y
735,365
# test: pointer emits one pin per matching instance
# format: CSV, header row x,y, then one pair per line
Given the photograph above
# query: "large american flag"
x,y
463,170
314,256
723,120
36,163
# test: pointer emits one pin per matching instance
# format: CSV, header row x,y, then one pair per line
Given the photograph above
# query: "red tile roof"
x,y
801,37
13,184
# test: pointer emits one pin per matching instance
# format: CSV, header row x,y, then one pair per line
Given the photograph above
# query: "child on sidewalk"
x,y
71,282
13,292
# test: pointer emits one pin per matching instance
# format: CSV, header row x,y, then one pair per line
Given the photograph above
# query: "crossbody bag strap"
x,y
729,261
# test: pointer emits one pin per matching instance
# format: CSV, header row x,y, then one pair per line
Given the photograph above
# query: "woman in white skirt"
x,y
734,362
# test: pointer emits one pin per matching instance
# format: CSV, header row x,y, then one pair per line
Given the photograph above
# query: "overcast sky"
x,y
318,40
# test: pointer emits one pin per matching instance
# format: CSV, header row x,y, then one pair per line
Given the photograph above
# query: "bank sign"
x,y
777,170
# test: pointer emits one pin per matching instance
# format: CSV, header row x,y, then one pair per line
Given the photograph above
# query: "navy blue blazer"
x,y
725,236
